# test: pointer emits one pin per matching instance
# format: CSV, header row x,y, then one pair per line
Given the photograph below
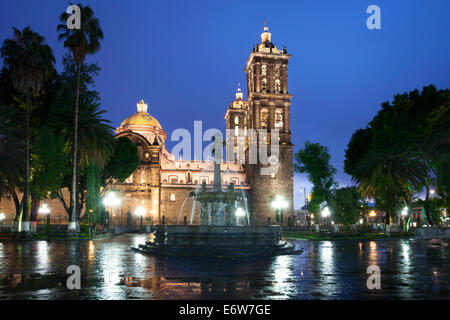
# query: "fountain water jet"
x,y
218,233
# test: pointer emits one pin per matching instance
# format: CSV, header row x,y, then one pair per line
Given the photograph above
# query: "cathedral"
x,y
161,185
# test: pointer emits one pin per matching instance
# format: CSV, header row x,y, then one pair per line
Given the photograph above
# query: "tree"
x,y
81,42
346,205
31,63
314,160
358,146
49,165
122,164
94,209
95,135
404,146
11,168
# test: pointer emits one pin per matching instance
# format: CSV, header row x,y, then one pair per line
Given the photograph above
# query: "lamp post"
x,y
325,213
140,212
2,218
279,204
112,201
404,215
372,214
45,210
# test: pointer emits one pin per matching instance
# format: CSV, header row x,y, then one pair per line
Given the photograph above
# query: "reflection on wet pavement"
x,y
326,270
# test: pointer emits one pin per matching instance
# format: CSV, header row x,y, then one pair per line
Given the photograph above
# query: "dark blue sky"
x,y
186,57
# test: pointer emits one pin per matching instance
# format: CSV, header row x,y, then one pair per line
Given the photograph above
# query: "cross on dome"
x,y
239,94
142,106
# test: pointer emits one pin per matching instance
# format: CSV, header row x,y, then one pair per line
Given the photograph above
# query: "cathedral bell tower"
x,y
236,119
269,102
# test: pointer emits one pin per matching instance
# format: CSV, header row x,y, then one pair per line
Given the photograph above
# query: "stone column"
x,y
285,78
271,115
258,77
257,107
286,120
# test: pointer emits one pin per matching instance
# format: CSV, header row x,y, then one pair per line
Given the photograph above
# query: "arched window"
x,y
278,119
264,70
263,118
236,120
264,85
236,131
277,86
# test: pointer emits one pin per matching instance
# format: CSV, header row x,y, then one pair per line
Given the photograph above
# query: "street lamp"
x,y
2,218
45,210
279,204
405,211
240,212
325,213
112,201
405,223
140,212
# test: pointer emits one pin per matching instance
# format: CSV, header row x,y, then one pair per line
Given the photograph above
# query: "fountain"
x,y
218,233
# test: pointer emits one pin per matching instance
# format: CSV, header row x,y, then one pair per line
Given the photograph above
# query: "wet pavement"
x,y
410,269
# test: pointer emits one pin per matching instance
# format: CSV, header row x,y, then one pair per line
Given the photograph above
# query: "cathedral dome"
x,y
141,118
143,123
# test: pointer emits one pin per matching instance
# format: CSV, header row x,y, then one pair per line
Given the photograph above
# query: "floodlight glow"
x,y
372,214
240,212
44,209
279,203
325,212
139,211
2,216
405,211
111,199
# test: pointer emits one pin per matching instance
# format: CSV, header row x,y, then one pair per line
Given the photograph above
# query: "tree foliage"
x,y
314,159
404,147
346,205
49,164
124,161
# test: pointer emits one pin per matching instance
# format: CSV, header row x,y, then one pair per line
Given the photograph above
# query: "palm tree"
x,y
389,177
31,63
95,148
81,42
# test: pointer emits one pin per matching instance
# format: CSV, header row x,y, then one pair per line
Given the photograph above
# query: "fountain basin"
x,y
218,241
